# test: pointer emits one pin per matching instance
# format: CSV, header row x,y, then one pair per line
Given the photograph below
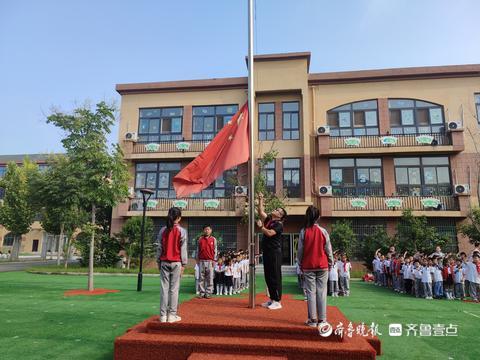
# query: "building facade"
x,y
360,145
36,241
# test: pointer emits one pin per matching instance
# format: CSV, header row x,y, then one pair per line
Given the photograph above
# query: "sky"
x,y
61,54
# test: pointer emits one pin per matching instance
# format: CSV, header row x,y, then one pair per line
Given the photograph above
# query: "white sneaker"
x,y
275,305
267,304
173,318
163,319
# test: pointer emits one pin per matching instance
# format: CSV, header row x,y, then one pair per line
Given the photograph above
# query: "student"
x,y
271,226
333,277
206,256
448,277
427,271
219,276
228,277
171,258
236,275
417,271
407,270
459,280
344,268
376,265
437,278
315,257
474,276
381,272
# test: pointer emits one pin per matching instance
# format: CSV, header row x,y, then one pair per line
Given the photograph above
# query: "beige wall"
x,y
36,233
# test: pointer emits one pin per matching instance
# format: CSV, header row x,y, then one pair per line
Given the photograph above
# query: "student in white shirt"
x,y
407,276
344,268
417,272
427,271
333,277
473,276
459,278
437,279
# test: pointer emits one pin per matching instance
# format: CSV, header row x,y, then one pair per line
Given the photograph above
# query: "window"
x,y
423,176
8,240
266,121
209,120
415,117
354,119
291,177
268,173
477,106
356,177
161,124
290,116
158,177
222,187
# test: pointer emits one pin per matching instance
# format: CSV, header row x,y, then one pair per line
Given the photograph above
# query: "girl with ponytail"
x,y
171,258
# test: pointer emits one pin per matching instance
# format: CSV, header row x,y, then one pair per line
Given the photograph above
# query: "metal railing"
x,y
375,141
180,146
348,191
191,204
378,203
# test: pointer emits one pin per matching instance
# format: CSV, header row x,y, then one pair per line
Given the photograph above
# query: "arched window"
x,y
354,119
409,116
8,240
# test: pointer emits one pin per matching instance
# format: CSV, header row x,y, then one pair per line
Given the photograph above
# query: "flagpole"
x,y
251,190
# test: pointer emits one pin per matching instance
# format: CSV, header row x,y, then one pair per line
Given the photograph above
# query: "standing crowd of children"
x,y
434,276
230,273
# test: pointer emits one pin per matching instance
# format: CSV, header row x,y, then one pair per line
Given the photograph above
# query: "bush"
x,y
105,253
342,237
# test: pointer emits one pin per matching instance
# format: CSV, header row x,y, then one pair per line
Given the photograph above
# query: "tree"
x,y
472,229
414,234
17,212
130,237
106,248
379,239
342,237
102,175
57,194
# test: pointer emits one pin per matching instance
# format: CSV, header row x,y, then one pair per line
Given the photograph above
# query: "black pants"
x,y
408,286
272,265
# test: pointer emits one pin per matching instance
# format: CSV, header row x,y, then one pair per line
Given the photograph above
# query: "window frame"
x,y
422,186
416,124
336,131
209,135
8,236
290,129
162,137
357,189
266,134
297,190
476,97
270,170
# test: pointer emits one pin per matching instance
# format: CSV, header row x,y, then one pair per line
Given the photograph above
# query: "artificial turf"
x,y
38,322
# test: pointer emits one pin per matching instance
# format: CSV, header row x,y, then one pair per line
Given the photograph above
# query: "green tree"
x,y
379,239
130,238
342,237
102,175
472,229
105,251
17,213
414,234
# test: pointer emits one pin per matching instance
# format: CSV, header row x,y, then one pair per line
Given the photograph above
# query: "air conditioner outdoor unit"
x,y
131,136
323,130
462,189
325,190
454,125
241,191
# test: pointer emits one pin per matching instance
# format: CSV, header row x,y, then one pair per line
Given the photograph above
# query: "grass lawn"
x,y
38,322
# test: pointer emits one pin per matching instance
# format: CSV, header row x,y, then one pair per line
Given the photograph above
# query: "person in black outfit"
x,y
271,226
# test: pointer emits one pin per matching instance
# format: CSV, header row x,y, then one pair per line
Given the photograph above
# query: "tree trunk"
x,y
92,249
128,262
67,254
60,245
17,241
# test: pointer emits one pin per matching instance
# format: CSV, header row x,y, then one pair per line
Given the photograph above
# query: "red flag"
x,y
228,149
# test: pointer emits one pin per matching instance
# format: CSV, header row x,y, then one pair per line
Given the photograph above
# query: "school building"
x,y
360,145
36,241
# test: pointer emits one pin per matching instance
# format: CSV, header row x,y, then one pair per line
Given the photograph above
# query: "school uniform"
x,y
448,273
474,279
207,254
417,271
466,271
381,273
375,264
459,278
220,279
387,273
228,280
344,276
171,256
333,279
407,277
197,279
236,277
427,281
437,281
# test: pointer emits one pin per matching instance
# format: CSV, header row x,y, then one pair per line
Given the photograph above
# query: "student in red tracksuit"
x,y
206,256
171,258
315,257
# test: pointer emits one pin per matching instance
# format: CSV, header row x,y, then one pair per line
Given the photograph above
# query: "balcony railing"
x,y
385,203
191,204
424,190
348,191
180,146
397,140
